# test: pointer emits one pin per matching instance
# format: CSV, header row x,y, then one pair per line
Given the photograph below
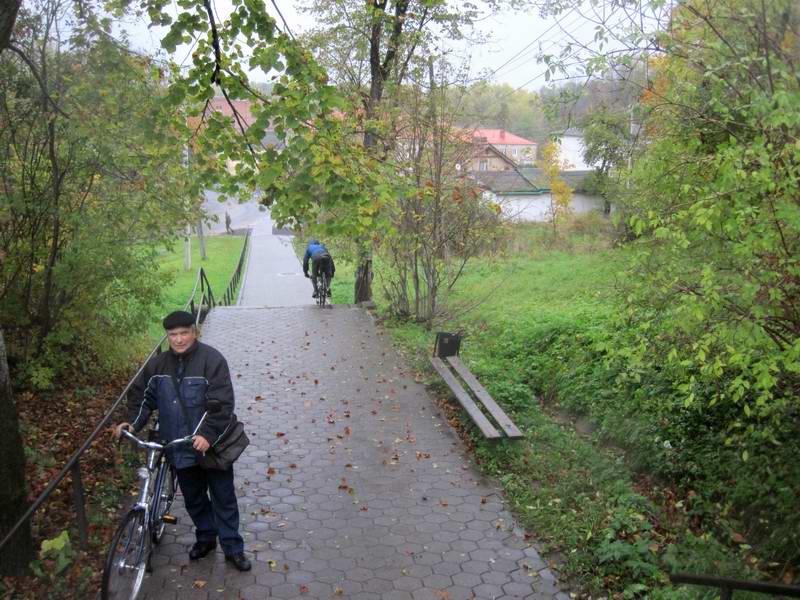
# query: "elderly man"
x,y
201,374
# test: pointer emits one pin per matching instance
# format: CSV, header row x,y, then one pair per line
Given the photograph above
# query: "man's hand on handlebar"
x,y
200,443
118,430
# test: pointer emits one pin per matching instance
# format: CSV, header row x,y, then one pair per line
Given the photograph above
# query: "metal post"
x,y
80,508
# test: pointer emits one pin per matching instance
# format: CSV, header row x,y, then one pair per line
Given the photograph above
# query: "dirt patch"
x,y
54,425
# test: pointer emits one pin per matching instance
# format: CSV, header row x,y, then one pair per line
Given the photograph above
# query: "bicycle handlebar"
x,y
153,445
213,407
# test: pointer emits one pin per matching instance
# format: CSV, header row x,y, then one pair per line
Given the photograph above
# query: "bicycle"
x,y
143,526
323,288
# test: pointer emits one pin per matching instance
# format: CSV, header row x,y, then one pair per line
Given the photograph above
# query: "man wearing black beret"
x,y
201,374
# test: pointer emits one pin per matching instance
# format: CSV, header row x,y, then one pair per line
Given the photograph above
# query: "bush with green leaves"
x,y
94,182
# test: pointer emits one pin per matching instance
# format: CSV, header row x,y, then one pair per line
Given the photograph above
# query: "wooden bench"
x,y
446,349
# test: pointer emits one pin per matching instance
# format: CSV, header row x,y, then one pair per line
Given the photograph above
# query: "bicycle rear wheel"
x,y
324,289
320,281
126,562
163,495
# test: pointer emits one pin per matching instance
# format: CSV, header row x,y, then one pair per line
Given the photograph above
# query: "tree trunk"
x,y
45,309
201,236
8,16
363,283
14,556
379,70
187,249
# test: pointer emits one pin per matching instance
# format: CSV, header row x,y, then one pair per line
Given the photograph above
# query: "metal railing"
x,y
198,306
727,586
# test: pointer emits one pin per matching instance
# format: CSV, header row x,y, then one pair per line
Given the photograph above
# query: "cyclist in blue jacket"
x,y
321,260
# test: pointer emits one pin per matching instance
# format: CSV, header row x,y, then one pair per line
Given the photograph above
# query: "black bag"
x,y
224,452
227,449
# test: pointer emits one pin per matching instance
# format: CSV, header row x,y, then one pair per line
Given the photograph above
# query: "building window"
x,y
484,165
514,151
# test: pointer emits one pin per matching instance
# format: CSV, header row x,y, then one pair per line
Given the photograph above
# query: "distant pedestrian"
x,y
228,223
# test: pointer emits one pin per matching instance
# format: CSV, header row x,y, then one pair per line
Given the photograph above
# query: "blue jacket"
x,y
314,248
205,377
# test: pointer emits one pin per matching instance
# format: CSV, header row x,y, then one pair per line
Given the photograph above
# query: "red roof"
x,y
500,136
220,104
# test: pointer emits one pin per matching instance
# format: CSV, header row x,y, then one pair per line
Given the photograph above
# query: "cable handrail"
x,y
73,462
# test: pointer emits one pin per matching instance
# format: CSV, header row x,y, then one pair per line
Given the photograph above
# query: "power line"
x,y
524,57
536,39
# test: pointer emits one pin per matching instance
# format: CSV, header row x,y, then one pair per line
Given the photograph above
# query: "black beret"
x,y
179,318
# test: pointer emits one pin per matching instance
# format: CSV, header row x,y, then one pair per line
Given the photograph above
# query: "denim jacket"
x,y
205,376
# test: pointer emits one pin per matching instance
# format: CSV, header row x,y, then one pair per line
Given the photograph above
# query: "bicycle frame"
x,y
155,452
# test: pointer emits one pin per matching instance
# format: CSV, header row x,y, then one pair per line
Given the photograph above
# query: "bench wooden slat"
x,y
487,429
499,415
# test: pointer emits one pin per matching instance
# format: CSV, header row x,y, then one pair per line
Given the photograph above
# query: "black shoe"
x,y
239,561
201,549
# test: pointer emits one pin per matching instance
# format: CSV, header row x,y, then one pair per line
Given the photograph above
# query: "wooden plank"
x,y
487,429
499,415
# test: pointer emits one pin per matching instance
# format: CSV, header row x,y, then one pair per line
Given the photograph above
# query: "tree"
x,y
711,305
607,141
14,556
485,105
369,48
560,192
94,182
441,219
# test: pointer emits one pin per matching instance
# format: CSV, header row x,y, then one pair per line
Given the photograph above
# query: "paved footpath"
x,y
274,276
354,486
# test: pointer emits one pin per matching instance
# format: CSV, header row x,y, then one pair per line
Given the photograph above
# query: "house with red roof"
x,y
492,143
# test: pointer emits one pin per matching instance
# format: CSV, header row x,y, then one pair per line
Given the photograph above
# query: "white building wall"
x,y
572,150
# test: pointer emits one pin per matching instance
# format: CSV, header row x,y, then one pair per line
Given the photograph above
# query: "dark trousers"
x,y
320,263
217,516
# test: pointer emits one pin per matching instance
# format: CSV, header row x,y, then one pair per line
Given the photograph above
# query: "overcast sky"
x,y
517,38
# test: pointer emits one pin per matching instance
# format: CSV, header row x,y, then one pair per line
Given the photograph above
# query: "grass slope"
x,y
223,255
612,530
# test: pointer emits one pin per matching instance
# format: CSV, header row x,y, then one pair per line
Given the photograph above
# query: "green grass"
x,y
222,257
525,317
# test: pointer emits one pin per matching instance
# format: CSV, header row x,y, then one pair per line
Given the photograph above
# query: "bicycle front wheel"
x,y
127,559
164,494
